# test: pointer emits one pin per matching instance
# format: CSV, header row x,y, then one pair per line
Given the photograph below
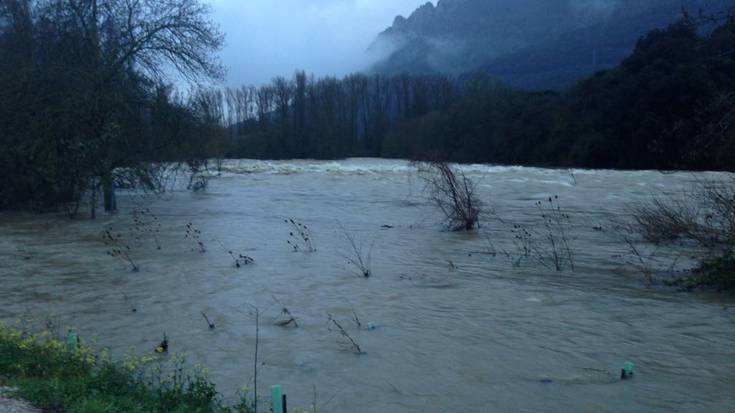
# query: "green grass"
x,y
79,380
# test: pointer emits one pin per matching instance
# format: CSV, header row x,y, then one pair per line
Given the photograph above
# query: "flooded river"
x,y
457,329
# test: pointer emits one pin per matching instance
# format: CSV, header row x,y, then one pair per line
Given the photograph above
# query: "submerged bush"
x,y
548,242
357,256
453,193
702,219
705,215
118,248
717,273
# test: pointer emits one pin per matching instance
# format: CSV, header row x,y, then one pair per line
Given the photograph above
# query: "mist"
x,y
267,38
594,7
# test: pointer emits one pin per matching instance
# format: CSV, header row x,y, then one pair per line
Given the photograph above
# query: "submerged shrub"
x,y
239,260
146,223
359,257
703,221
300,238
717,273
118,248
453,193
557,228
705,214
195,235
549,242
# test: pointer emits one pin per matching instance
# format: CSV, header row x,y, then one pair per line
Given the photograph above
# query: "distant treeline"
x,y
670,105
84,105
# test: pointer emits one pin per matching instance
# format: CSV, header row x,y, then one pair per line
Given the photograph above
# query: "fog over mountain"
x,y
527,43
267,38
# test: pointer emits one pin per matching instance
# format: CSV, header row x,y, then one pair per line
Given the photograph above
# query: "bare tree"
x,y
207,106
264,103
111,53
283,90
154,35
453,193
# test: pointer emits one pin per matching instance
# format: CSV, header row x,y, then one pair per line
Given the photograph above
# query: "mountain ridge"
x,y
508,38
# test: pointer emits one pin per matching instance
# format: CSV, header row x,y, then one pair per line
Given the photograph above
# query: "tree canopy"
x,y
669,105
82,92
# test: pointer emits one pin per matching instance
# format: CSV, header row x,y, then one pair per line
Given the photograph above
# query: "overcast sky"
x,y
266,38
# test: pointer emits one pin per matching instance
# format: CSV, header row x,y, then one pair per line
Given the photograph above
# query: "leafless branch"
x,y
357,256
453,193
344,334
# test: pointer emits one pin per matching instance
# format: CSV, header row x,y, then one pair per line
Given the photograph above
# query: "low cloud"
x,y
593,8
268,38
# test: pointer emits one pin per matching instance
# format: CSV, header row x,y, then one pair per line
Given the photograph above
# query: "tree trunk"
x,y
93,212
108,189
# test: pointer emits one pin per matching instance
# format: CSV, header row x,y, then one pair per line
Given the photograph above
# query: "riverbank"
x,y
68,377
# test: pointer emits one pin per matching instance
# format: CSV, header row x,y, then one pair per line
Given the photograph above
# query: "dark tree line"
x,y
328,117
667,106
83,99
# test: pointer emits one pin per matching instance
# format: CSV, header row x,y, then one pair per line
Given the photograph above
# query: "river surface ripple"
x,y
457,329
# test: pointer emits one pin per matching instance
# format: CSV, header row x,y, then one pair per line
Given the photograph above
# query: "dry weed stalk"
x,y
300,238
118,248
357,256
343,333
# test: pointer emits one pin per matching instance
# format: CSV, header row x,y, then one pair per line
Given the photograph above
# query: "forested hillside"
x,y
530,44
669,105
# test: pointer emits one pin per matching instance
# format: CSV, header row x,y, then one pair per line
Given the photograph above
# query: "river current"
x,y
457,326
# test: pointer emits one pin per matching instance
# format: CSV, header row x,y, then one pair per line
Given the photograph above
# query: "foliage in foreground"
x,y
57,379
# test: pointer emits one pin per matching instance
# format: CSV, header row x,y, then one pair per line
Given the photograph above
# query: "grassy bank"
x,y
58,377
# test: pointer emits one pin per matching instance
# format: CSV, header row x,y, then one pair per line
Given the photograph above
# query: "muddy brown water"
x,y
457,329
